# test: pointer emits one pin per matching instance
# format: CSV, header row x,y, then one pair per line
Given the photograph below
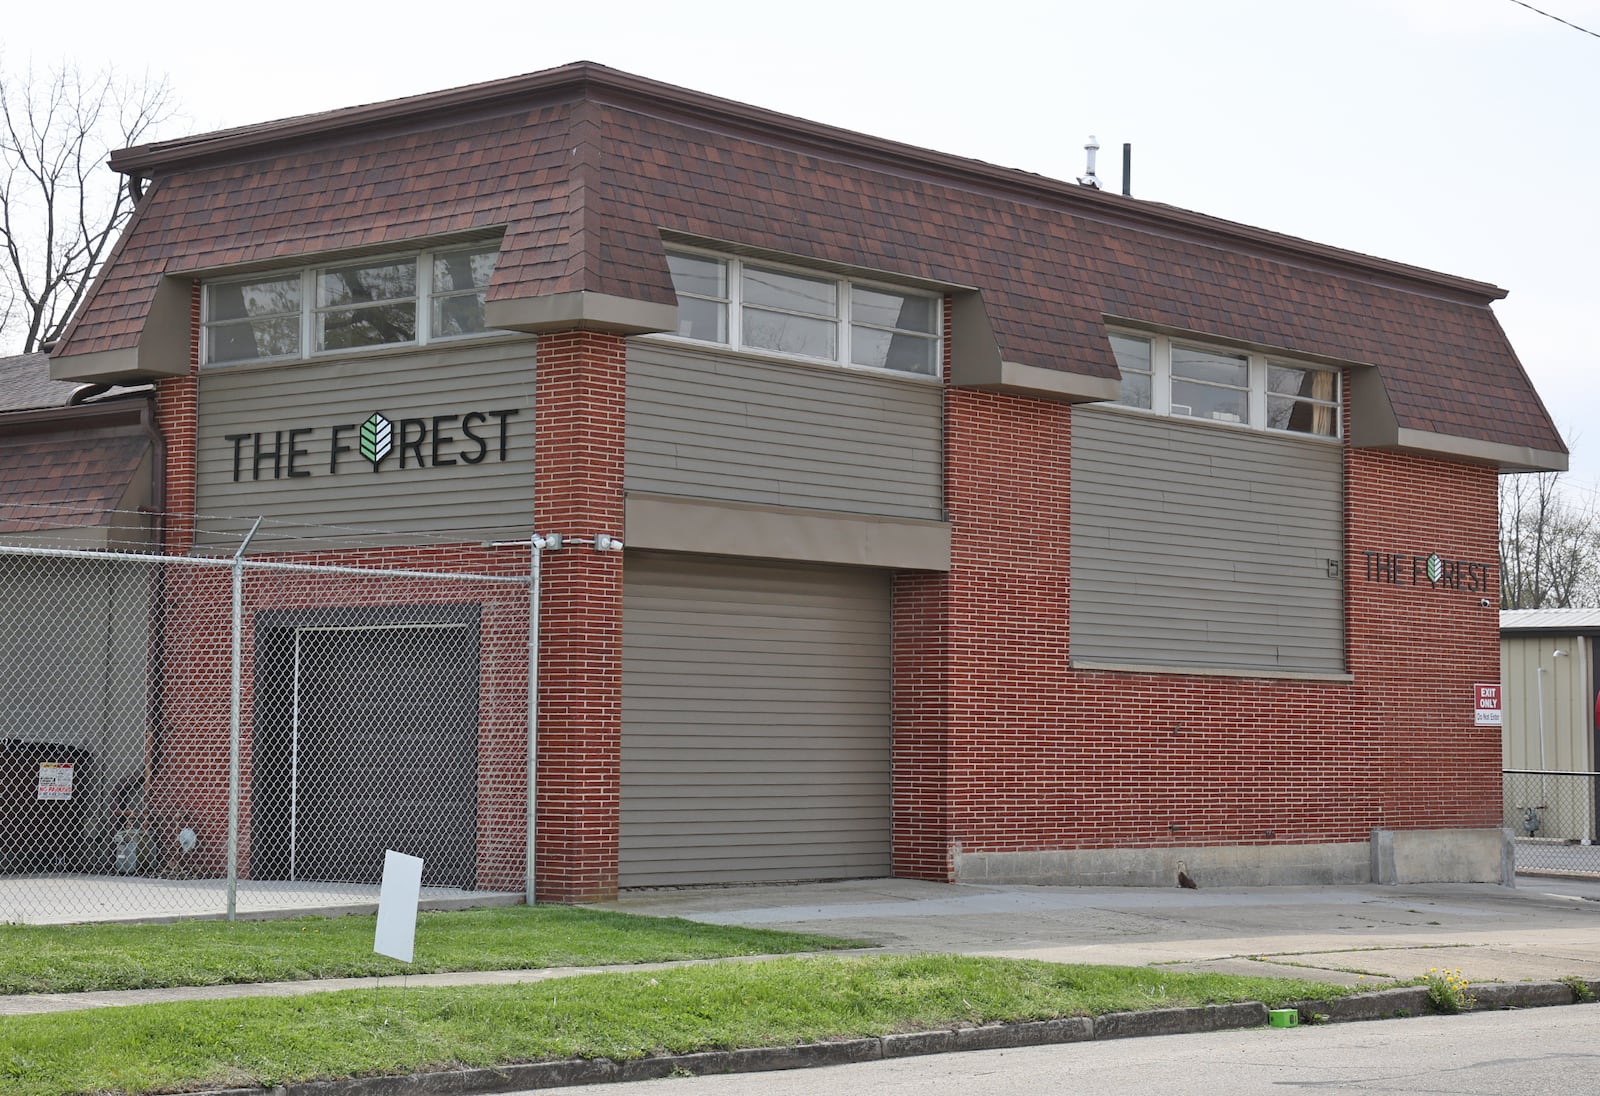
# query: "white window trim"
x,y
311,308
734,303
1257,364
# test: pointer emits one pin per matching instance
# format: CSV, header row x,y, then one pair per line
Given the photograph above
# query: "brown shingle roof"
x,y
67,480
586,167
25,384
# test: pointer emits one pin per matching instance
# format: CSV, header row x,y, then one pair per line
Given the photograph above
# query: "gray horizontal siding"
x,y
755,712
712,425
489,498
1193,546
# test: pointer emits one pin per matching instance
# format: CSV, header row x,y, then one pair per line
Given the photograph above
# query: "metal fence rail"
x,y
204,735
1553,817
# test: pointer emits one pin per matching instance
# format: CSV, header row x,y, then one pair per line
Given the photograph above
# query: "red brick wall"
x,y
579,432
1021,753
188,776
177,413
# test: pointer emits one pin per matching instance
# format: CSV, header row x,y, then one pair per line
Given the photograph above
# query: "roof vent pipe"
x,y
1127,170
1088,178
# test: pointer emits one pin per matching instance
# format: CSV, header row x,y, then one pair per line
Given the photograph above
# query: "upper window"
x,y
393,301
1218,384
755,306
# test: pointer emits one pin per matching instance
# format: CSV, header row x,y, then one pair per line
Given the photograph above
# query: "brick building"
x,y
978,526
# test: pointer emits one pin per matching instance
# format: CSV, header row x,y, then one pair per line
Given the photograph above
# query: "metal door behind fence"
x,y
366,741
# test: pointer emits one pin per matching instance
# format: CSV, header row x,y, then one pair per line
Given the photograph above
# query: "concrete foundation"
x,y
1443,856
1391,856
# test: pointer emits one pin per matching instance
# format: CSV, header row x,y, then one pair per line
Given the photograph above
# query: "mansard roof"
x,y
587,173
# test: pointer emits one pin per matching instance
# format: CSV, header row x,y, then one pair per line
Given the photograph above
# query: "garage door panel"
x,y
674,835
755,722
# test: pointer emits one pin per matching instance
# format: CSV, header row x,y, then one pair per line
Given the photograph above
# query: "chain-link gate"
x,y
203,735
1553,816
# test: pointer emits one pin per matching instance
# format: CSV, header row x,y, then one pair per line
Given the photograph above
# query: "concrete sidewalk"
x,y
1544,928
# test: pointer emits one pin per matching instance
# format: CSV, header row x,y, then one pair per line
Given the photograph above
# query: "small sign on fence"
x,y
1486,706
55,780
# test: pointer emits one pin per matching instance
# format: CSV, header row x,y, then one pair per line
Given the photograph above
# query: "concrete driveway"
x,y
1544,928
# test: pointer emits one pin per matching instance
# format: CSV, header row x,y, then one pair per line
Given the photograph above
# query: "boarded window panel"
x,y
755,742
1199,547
729,428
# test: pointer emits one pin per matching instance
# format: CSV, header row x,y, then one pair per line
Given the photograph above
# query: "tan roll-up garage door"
x,y
755,722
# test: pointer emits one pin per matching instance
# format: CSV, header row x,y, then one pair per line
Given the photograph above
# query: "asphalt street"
x,y
1478,1054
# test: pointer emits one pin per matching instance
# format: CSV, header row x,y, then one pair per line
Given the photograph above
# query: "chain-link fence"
x,y
1553,817
204,735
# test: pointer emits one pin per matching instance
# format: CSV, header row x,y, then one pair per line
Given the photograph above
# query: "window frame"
x,y
1258,394
311,310
844,321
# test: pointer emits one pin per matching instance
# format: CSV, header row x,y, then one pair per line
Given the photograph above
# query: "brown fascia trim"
x,y
135,410
265,136
698,109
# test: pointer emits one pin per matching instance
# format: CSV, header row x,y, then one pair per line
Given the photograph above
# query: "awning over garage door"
x,y
755,722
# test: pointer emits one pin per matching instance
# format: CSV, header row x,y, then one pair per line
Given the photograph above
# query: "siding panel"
x,y
703,424
490,498
1199,547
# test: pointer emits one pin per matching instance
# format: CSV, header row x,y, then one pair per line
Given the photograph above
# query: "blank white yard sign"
x,y
397,906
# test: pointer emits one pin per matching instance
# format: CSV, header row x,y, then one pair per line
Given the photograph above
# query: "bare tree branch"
x,y
61,208
1549,545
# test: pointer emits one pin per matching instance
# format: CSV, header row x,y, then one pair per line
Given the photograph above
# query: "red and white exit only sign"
x,y
1486,710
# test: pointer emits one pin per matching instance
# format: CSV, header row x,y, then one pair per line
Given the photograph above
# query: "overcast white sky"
x,y
1460,135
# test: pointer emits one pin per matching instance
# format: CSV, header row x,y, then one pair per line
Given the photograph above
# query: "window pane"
x,y
790,292
342,285
702,277
1202,401
464,269
1133,358
1301,416
242,300
791,334
706,320
883,308
1135,390
1205,365
377,325
892,350
1291,381
457,314
241,342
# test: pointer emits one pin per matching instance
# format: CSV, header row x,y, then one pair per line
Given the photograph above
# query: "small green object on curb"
x,y
1284,1017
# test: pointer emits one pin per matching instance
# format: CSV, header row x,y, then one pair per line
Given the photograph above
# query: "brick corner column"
x,y
579,420
177,414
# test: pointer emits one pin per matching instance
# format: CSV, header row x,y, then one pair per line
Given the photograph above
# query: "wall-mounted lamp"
x,y
604,542
550,542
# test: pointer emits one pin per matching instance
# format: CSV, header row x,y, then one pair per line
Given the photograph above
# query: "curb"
x,y
1384,1004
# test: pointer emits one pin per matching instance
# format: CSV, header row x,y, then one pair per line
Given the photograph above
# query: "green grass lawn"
x,y
70,958
169,1047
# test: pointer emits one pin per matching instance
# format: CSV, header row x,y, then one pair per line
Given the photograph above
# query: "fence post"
x,y
536,547
235,690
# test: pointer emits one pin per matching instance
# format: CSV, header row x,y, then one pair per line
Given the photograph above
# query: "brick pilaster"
x,y
579,424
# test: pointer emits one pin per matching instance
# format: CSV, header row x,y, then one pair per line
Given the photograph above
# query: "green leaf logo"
x,y
377,438
1435,568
